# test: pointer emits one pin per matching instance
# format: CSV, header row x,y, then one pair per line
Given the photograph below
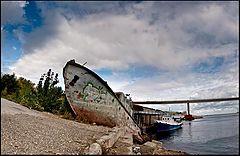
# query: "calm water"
x,y
216,134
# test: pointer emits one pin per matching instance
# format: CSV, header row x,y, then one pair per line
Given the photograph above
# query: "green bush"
x,y
9,85
46,96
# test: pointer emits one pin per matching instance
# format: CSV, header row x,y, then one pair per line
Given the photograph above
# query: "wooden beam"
x,y
185,101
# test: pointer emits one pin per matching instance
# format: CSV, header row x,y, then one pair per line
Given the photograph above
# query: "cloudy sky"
x,y
151,50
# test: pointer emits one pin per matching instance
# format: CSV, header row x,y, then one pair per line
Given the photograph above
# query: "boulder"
x,y
157,142
95,149
150,144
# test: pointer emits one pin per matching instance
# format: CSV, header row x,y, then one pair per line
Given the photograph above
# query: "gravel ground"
x,y
25,131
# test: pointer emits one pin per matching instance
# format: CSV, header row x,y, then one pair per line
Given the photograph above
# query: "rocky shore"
x,y
25,131
149,148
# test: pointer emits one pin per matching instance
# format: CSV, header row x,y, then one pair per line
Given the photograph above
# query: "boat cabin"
x,y
166,118
169,119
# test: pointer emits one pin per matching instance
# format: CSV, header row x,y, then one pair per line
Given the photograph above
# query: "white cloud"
x,y
117,41
169,36
186,85
3,34
12,12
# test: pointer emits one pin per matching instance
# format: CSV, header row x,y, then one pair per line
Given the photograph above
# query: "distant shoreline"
x,y
222,114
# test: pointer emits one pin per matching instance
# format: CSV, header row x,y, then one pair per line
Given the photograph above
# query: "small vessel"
x,y
166,124
188,117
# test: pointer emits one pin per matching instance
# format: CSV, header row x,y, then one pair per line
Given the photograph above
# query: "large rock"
x,y
150,144
95,149
148,147
107,141
157,142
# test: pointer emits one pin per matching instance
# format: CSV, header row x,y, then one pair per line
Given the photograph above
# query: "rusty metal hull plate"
x,y
91,98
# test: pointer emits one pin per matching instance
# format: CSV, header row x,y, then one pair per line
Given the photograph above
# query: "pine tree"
x,y
49,95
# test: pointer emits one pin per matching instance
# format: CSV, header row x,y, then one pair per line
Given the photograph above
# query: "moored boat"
x,y
167,124
188,117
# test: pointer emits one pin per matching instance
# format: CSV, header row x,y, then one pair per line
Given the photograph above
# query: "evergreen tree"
x,y
49,95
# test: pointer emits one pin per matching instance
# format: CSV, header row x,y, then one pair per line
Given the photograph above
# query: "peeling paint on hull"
x,y
92,99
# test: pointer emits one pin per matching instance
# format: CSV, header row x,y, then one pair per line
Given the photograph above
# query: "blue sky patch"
x,y
212,65
104,71
143,71
33,14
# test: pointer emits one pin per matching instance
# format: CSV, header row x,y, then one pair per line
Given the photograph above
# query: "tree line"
x,y
45,96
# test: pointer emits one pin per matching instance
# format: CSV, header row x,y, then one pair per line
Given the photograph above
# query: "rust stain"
x,y
92,117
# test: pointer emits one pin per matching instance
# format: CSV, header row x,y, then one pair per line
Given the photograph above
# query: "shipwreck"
x,y
93,100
